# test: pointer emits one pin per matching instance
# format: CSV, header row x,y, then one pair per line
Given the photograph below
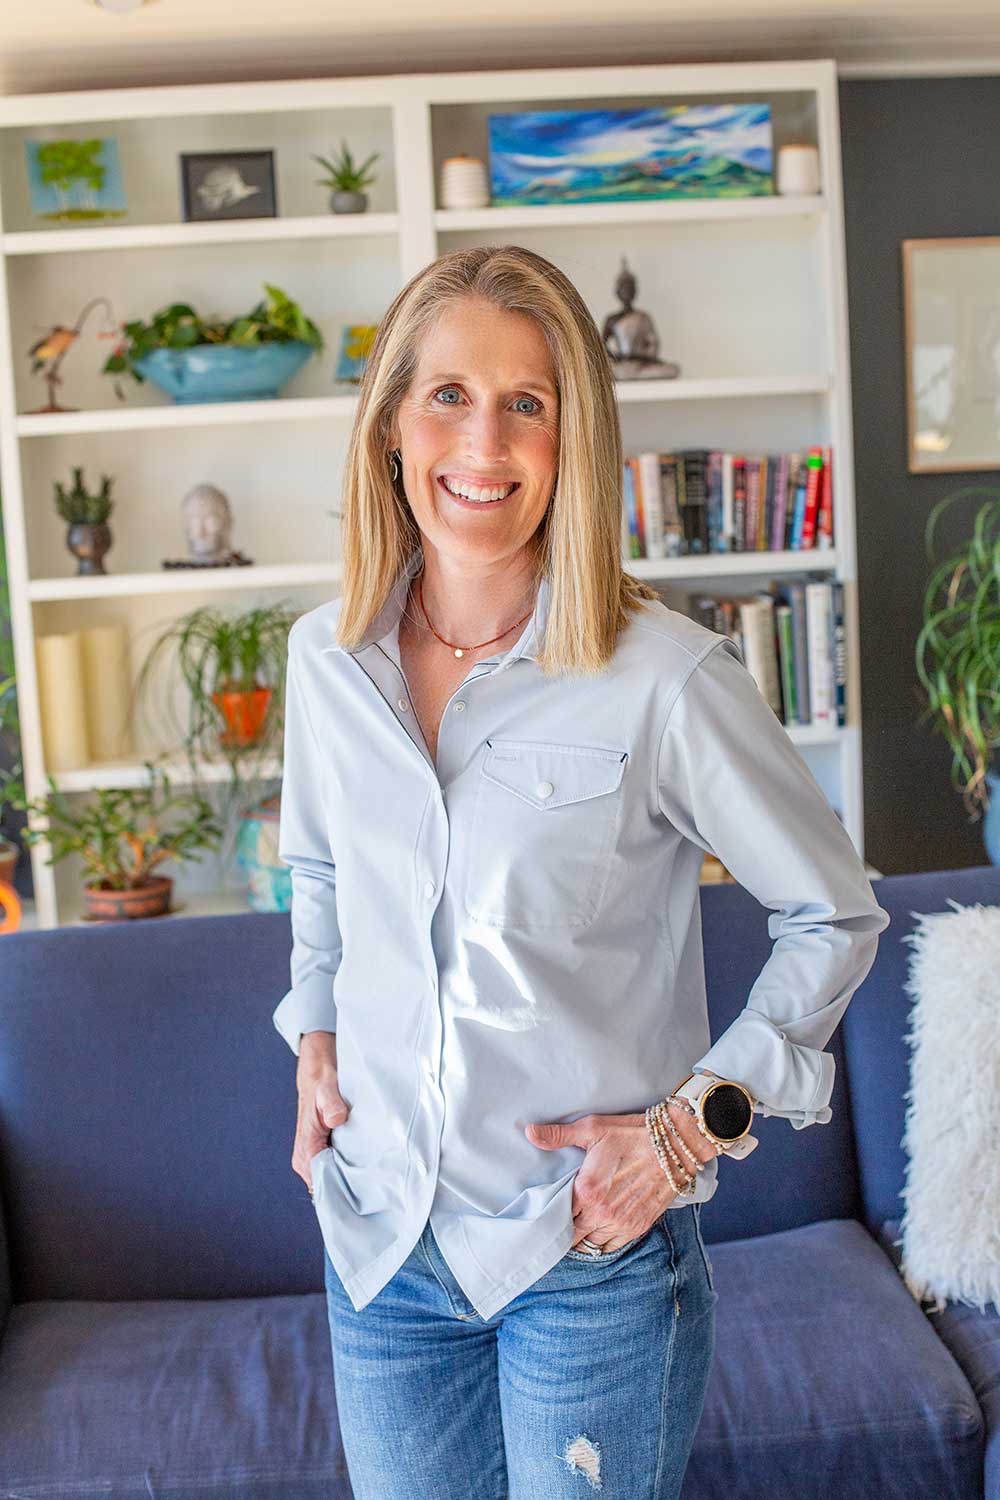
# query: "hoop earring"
x,y
394,467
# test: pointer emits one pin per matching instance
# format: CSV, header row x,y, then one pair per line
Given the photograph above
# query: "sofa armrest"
x,y
972,1338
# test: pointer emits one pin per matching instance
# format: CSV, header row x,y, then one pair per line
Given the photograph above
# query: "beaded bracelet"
x,y
661,1115
661,1145
699,1166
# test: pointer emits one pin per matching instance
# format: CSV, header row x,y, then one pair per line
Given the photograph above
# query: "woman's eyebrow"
x,y
531,381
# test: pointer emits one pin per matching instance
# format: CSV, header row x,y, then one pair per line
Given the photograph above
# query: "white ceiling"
x,y
73,44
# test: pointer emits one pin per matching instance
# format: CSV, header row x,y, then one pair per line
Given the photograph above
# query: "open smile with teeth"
x,y
479,495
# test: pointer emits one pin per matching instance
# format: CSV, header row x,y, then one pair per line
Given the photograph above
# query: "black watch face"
x,y
727,1111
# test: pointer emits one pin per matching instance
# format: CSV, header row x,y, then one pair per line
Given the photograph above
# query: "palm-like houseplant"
x,y
958,657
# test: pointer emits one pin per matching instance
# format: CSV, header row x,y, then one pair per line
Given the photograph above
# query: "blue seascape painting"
x,y
618,155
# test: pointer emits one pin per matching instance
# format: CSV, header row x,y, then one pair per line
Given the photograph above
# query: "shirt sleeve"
x,y
730,779
304,845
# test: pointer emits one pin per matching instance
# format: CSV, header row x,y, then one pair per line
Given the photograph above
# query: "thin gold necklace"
x,y
461,650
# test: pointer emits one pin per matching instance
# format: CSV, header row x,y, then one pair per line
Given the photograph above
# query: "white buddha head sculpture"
x,y
207,523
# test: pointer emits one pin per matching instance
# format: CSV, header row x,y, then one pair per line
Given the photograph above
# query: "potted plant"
x,y
234,670
346,180
123,835
958,658
11,783
89,536
249,358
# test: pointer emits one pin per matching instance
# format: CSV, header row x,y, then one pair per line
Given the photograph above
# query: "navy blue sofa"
x,y
161,1277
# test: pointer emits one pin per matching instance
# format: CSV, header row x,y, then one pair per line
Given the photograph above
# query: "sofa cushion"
x,y
795,1176
973,1337
828,1380
156,1162
187,1400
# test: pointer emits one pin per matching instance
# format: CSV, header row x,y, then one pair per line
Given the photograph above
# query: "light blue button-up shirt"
x,y
514,933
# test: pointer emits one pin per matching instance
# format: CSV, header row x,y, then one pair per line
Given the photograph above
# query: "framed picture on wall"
x,y
951,311
228,185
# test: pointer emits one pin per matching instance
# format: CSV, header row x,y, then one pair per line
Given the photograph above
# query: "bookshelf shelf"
x,y
119,238
749,296
172,418
662,211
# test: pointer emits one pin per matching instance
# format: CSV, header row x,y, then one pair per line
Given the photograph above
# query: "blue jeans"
x,y
593,1377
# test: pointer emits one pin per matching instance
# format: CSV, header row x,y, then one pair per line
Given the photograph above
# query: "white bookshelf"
x,y
748,295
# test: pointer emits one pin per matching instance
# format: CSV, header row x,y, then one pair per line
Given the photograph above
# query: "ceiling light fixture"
x,y
119,7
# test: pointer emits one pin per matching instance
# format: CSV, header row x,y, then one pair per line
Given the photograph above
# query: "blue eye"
x,y
536,404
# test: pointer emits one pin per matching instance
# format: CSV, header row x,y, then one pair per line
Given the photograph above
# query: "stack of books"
x,y
793,643
700,500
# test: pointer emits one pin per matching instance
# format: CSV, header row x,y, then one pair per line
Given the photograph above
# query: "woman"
x,y
504,760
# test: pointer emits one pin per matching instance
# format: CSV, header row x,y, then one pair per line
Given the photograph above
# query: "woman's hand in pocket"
x,y
621,1189
321,1106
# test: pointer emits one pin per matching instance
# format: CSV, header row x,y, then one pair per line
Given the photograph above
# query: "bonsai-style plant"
x,y
275,320
88,536
234,670
123,835
346,180
958,649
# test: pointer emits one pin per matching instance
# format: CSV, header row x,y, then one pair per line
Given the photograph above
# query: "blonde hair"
x,y
579,540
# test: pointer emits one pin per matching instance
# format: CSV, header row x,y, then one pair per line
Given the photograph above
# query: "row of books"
x,y
703,500
793,643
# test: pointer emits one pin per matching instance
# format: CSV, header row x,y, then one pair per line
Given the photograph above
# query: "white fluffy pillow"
x,y
951,1224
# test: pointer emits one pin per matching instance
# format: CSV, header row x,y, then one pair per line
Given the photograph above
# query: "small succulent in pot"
x,y
89,536
346,180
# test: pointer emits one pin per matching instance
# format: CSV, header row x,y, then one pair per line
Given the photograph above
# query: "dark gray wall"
x,y
919,161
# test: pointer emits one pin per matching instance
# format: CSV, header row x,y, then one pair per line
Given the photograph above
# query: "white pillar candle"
x,y
106,686
61,701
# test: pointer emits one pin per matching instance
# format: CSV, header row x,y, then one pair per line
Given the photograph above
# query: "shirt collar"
x,y
384,629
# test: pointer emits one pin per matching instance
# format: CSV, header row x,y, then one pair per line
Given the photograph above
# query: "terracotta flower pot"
x,y
244,713
150,900
9,855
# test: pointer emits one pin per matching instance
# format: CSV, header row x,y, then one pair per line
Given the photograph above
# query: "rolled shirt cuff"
x,y
784,1077
308,1006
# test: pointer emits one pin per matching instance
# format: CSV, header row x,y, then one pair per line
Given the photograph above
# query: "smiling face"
x,y
481,413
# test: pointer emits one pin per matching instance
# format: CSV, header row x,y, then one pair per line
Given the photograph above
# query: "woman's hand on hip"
x,y
621,1189
321,1105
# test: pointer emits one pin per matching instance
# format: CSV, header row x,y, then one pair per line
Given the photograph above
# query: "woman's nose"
x,y
486,436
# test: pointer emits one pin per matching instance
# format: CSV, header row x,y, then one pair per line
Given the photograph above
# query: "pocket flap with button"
x,y
550,775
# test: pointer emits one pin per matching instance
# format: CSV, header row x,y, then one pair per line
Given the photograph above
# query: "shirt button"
x,y
420,1165
429,888
459,706
544,789
403,704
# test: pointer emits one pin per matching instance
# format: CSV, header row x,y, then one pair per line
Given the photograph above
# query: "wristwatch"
x,y
723,1110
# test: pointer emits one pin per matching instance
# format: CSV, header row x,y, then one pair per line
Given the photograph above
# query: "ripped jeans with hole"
x,y
593,1379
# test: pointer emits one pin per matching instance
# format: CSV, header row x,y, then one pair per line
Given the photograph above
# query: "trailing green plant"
x,y
78,504
123,834
344,176
276,319
958,648
211,652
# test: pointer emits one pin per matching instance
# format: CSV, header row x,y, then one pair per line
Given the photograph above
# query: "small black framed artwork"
x,y
228,185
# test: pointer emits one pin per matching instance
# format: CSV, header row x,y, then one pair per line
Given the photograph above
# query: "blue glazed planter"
x,y
991,822
269,880
224,372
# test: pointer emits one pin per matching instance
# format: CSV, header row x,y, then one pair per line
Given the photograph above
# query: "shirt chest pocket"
x,y
544,823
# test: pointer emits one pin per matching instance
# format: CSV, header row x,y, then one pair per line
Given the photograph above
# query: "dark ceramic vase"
x,y
89,541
